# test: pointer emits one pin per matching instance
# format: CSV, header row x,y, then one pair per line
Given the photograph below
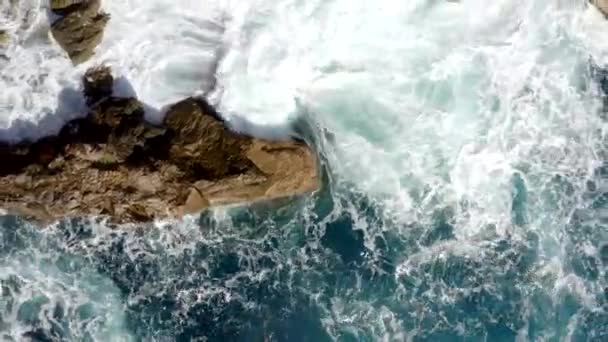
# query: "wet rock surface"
x,y
80,28
114,163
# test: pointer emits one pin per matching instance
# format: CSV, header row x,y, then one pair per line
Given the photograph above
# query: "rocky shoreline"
x,y
113,163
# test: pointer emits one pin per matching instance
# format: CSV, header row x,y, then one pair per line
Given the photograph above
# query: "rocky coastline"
x,y
113,163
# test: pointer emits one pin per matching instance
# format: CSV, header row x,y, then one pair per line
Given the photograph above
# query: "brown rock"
x,y
282,169
148,185
114,163
106,206
14,158
138,212
194,203
291,166
62,7
23,181
117,112
81,29
57,163
121,121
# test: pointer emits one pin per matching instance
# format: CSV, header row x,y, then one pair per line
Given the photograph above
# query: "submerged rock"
x,y
80,29
114,163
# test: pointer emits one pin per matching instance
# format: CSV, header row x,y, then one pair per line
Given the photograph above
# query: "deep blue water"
x,y
445,89
288,274
332,266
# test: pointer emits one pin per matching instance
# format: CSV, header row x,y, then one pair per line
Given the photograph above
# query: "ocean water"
x,y
464,161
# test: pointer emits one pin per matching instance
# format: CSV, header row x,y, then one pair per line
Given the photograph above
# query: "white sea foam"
x,y
37,81
432,103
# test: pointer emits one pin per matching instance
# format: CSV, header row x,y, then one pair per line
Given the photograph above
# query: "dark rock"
x,y
14,158
81,29
98,84
195,202
117,113
196,130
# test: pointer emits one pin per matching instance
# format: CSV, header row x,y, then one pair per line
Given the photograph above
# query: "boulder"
x,y
98,83
228,167
197,129
80,30
113,163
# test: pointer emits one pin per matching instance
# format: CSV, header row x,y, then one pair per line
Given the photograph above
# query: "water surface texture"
x,y
466,175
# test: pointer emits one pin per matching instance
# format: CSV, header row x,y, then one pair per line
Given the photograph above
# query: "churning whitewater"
x,y
466,182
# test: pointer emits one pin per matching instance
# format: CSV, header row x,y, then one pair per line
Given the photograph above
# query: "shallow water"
x,y
465,193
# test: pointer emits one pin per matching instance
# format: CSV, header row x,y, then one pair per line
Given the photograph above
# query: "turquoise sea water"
x,y
465,193
303,270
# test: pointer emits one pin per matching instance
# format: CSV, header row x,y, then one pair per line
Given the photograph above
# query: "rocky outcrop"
x,y
80,29
114,163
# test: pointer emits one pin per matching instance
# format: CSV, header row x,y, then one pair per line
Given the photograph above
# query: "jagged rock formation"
x,y
80,29
114,163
